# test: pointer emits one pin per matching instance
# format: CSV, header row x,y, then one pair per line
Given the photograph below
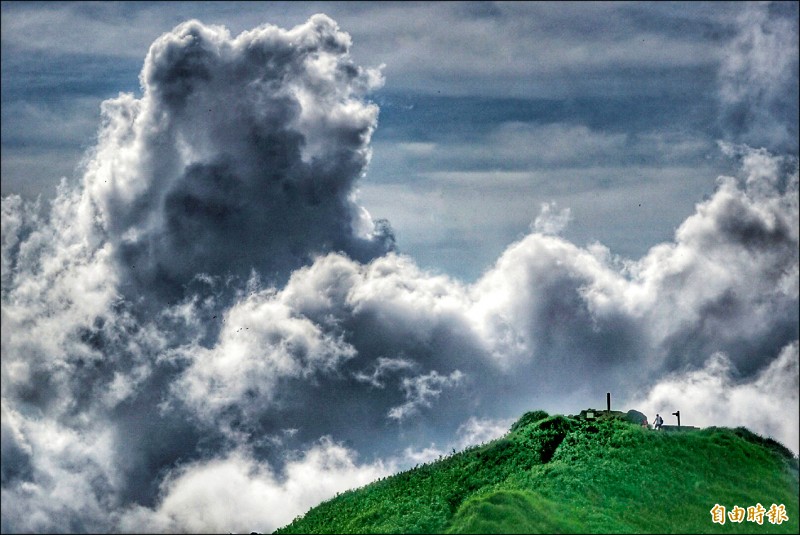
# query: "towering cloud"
x,y
211,314
242,154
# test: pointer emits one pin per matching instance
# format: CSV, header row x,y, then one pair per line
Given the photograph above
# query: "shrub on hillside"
x,y
529,418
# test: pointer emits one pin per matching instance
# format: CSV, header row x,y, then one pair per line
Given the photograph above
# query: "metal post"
x,y
678,414
608,401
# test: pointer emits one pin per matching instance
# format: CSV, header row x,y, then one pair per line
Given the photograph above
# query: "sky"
x,y
255,254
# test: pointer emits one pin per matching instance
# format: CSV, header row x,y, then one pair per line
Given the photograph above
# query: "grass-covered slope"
x,y
552,474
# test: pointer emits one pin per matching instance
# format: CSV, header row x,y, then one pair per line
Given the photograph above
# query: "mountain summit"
x,y
570,474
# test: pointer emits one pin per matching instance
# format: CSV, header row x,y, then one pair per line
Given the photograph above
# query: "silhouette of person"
x,y
659,421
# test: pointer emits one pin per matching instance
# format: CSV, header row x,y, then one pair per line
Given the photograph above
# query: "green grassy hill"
x,y
556,474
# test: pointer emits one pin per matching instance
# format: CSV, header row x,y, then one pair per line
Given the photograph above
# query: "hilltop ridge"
x,y
567,474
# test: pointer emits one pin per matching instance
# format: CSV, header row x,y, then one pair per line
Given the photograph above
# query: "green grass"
x,y
553,474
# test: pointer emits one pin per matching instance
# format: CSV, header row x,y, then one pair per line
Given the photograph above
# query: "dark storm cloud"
x,y
746,310
206,183
268,130
548,318
212,319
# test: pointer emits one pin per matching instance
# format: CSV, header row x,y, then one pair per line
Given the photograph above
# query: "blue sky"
x,y
260,253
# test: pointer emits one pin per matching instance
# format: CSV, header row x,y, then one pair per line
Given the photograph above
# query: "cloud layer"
x,y
210,333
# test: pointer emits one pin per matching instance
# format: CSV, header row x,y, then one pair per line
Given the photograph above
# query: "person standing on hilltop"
x,y
658,422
